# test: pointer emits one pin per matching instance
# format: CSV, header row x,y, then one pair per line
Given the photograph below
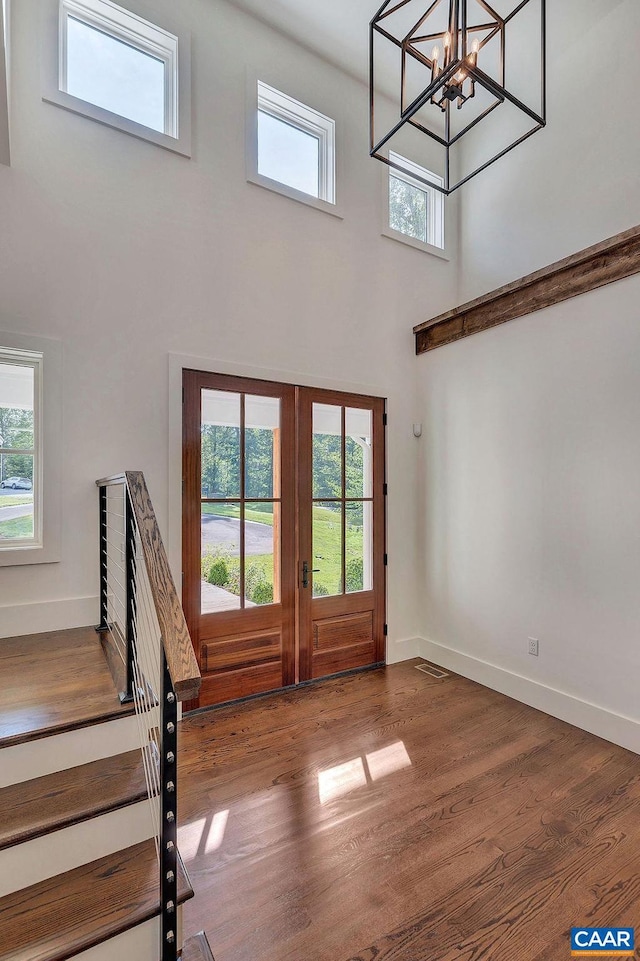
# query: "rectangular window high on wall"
x,y
416,210
113,66
295,153
20,449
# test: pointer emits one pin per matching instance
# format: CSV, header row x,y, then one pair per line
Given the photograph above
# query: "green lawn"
x,y
15,500
264,516
17,527
326,544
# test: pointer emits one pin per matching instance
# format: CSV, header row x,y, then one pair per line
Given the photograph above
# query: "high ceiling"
x,y
337,30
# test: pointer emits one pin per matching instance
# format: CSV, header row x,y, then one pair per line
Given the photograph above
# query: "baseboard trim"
x,y
18,619
617,728
404,650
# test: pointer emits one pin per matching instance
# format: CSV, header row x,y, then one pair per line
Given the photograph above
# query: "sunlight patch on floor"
x,y
335,782
202,836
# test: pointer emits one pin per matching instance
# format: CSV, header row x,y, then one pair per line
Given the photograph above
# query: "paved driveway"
x,y
23,510
225,532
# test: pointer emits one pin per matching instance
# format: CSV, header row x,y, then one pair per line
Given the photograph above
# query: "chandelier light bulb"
x,y
435,54
447,40
475,46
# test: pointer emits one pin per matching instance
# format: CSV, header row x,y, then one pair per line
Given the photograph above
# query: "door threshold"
x,y
283,690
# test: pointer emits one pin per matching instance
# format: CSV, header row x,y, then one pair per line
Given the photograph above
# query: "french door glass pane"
x,y
327,450
220,524
327,548
262,554
262,455
220,444
359,546
359,452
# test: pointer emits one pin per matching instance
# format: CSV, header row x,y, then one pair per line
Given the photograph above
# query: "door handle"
x,y
306,571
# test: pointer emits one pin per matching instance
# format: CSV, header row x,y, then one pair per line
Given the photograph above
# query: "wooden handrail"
x,y
181,659
178,648
612,260
112,481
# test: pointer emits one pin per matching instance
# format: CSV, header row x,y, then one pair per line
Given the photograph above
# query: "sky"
x,y
114,75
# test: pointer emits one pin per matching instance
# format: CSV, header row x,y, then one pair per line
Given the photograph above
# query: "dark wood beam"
x,y
594,267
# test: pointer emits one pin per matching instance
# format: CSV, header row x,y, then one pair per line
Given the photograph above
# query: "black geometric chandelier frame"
x,y
454,72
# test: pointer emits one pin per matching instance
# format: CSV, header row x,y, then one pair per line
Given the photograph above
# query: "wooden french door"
x,y
283,533
341,532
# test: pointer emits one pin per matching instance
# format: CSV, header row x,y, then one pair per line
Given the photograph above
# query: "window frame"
x,y
264,98
44,547
13,357
128,26
436,207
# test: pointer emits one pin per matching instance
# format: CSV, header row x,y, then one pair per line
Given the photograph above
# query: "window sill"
x,y
28,554
297,195
416,244
180,145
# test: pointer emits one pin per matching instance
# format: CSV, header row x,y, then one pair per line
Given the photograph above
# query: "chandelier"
x,y
444,72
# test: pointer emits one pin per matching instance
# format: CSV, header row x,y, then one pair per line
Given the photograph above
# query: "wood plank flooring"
x,y
54,682
396,817
29,810
75,911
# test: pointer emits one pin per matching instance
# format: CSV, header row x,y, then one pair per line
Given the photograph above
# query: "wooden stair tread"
x,y
62,916
197,948
54,682
56,801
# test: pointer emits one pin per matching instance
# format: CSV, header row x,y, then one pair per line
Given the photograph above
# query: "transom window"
x,y
416,209
20,467
296,145
116,61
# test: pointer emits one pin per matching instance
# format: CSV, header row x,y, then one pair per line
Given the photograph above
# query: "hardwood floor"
x,y
396,817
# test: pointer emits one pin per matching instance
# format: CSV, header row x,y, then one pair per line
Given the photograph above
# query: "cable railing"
x,y
151,651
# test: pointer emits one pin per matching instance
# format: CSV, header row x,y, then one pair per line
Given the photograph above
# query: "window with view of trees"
x,y
416,209
19,448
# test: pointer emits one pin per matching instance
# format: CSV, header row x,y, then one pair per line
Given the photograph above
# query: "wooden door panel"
x,y
342,643
342,631
332,632
218,688
246,646
346,658
237,652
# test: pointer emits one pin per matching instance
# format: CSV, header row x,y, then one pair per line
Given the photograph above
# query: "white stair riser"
x,y
48,755
139,944
44,857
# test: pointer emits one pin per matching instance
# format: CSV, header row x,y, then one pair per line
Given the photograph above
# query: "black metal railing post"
x,y
104,573
130,598
168,815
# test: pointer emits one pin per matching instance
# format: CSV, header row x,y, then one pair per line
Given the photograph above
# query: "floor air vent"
x,y
431,670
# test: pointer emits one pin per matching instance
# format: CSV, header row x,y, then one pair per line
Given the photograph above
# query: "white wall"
x,y
128,253
531,450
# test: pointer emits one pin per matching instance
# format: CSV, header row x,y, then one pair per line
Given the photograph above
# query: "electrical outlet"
x,y
533,646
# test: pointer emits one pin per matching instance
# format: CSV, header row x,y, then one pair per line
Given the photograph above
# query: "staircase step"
x,y
197,948
73,912
48,755
59,800
54,682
